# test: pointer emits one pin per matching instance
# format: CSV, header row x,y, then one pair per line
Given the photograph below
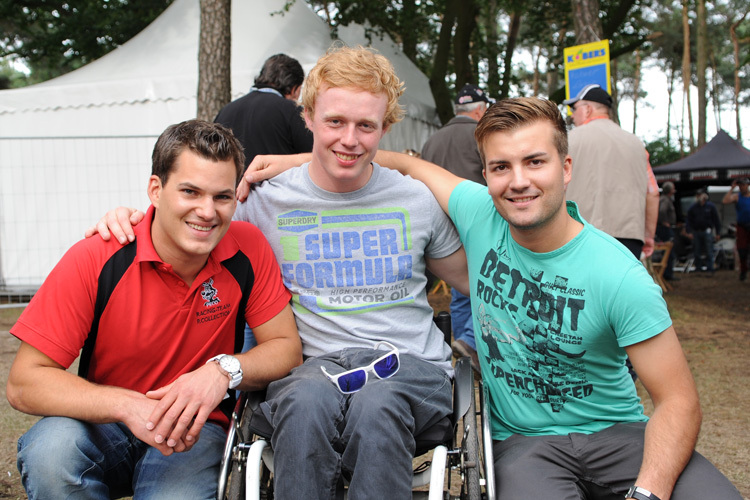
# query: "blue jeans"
x,y
320,433
461,320
703,241
62,457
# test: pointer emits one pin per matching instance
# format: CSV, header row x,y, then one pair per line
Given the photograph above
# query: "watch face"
x,y
230,364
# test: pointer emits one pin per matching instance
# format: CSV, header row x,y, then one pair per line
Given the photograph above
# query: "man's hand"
x,y
118,223
263,167
185,404
648,247
136,420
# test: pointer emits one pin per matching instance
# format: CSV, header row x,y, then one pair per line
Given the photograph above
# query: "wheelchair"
x,y
454,443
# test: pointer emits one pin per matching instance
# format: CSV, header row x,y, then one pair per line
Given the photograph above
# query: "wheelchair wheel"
x,y
235,483
471,464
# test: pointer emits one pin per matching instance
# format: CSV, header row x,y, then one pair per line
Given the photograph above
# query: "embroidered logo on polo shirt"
x,y
209,293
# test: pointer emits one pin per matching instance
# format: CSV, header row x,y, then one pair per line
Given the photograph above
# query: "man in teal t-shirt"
x,y
558,306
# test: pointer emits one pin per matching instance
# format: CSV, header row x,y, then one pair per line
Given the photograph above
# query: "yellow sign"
x,y
586,64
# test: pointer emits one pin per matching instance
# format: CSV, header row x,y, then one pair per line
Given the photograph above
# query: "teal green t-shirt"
x,y
551,327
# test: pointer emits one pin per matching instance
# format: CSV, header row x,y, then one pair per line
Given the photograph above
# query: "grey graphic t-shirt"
x,y
354,262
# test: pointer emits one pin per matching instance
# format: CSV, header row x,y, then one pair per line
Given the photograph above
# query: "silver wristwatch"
x,y
231,366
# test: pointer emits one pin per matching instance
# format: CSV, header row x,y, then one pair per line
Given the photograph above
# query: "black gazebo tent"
x,y
717,163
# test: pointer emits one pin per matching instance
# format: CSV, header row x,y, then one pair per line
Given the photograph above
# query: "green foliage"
x,y
57,36
661,153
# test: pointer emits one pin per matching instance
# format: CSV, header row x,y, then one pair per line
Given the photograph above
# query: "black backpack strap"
x,y
242,271
110,275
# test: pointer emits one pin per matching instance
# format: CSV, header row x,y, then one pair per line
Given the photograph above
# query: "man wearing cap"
x,y
741,202
454,148
612,179
703,226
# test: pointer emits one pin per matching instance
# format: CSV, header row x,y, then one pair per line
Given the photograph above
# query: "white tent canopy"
x,y
74,146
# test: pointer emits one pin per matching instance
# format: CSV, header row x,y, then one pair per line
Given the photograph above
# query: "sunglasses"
x,y
353,380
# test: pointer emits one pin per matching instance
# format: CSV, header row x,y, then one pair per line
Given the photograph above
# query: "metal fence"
x,y
51,190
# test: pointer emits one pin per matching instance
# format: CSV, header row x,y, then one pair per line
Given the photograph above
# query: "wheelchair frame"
x,y
247,463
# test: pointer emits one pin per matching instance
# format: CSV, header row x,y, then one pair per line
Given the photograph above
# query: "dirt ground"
x,y
711,318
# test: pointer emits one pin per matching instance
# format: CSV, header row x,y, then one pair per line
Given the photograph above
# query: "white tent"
x,y
79,144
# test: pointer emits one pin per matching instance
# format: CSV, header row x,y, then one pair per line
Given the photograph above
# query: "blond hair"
x,y
360,68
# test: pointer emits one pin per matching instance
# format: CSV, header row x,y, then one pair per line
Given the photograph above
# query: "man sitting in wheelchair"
x,y
353,241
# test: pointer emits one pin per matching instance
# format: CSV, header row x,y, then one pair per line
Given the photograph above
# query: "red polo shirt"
x,y
154,327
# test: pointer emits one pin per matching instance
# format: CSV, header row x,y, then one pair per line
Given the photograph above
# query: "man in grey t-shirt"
x,y
353,241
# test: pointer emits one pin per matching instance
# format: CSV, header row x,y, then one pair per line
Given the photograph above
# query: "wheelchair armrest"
x,y
463,388
253,417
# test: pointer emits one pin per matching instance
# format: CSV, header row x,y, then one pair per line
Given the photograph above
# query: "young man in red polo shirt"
x,y
158,320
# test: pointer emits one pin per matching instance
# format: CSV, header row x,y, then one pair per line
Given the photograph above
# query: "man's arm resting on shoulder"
x,y
452,269
672,431
437,179
38,385
185,405
263,167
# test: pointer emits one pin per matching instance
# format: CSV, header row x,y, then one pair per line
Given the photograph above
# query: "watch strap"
x,y
639,493
235,379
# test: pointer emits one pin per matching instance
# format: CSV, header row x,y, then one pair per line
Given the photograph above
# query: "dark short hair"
x,y
208,140
511,114
282,73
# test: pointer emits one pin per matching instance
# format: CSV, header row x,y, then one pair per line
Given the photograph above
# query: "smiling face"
x,y
194,208
526,178
347,125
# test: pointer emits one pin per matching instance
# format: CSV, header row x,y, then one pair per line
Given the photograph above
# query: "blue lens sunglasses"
x,y
352,381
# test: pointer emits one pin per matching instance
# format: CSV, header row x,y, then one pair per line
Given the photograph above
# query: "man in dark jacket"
x,y
704,227
268,120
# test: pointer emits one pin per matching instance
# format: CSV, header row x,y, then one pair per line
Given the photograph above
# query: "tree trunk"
x,y
537,54
701,66
513,30
466,22
686,73
409,39
636,86
214,58
670,90
555,61
493,48
736,51
440,64
586,21
615,95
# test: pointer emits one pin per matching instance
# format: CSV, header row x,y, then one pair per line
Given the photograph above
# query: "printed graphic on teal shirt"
x,y
347,261
533,344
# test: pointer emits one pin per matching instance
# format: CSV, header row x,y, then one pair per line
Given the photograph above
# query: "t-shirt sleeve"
x,y
445,240
639,311
269,295
58,317
460,207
